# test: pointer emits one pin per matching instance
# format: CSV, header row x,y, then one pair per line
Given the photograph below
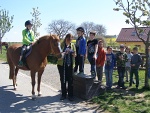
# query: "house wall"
x,y
141,45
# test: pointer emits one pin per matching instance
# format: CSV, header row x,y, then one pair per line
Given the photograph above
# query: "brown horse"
x,y
36,61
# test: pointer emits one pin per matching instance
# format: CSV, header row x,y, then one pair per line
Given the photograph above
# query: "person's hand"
x,y
62,54
121,57
81,55
132,64
85,56
95,57
98,65
74,54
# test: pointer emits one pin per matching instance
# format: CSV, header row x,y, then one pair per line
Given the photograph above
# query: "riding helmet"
x,y
28,22
80,29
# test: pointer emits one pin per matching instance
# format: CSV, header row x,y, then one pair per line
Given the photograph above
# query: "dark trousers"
x,y
23,49
79,61
121,73
68,79
99,71
93,64
135,72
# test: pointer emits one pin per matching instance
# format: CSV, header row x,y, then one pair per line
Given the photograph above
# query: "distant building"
x,y
128,37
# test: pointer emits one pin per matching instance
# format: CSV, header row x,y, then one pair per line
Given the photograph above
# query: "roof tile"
x,y
127,35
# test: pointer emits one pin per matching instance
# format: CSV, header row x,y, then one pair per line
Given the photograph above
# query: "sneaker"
x,y
75,73
133,82
71,98
130,85
20,63
81,73
118,87
127,80
108,88
124,87
62,98
93,74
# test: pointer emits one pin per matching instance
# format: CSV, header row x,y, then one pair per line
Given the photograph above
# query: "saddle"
x,y
26,53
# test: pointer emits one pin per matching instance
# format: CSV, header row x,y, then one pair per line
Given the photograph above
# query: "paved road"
x,y
51,75
20,100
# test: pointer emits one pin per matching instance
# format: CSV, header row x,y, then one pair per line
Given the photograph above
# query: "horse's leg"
x,y
39,81
11,70
33,84
15,78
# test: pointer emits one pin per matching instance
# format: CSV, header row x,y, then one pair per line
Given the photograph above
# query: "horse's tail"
x,y
11,65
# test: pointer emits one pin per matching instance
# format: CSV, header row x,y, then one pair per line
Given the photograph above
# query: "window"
x,y
133,33
141,34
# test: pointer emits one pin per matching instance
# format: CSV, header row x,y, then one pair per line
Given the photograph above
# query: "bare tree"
x,y
60,27
100,29
91,26
5,24
136,12
36,21
88,26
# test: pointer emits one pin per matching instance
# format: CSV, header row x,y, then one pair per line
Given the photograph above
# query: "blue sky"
x,y
76,11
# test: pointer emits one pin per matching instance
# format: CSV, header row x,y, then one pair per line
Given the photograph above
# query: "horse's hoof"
x,y
15,88
39,94
33,97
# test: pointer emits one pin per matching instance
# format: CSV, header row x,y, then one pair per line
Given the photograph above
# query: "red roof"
x,y
129,35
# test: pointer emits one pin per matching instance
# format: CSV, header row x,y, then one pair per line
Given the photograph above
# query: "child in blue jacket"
x,y
109,66
80,51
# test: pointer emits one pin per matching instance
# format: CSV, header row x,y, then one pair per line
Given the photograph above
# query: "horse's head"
x,y
55,46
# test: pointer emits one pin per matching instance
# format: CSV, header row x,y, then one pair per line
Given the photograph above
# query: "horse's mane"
x,y
46,37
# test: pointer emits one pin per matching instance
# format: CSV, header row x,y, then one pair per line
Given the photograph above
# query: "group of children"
x,y
99,59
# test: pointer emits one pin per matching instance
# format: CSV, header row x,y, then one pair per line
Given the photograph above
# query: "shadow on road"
x,y
12,102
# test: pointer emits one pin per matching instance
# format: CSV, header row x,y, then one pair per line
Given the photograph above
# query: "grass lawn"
x,y
130,100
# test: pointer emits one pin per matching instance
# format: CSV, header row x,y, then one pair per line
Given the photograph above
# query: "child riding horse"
x,y
28,39
36,61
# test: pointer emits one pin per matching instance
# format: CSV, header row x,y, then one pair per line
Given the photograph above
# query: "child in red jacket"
x,y
100,60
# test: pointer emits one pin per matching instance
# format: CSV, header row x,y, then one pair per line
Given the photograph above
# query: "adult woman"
x,y
65,67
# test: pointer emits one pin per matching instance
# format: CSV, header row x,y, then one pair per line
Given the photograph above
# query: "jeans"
x,y
99,71
121,72
127,72
135,72
93,64
79,61
68,79
109,79
23,49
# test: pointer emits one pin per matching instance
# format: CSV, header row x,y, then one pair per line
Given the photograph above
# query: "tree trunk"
x,y
1,45
147,44
147,86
